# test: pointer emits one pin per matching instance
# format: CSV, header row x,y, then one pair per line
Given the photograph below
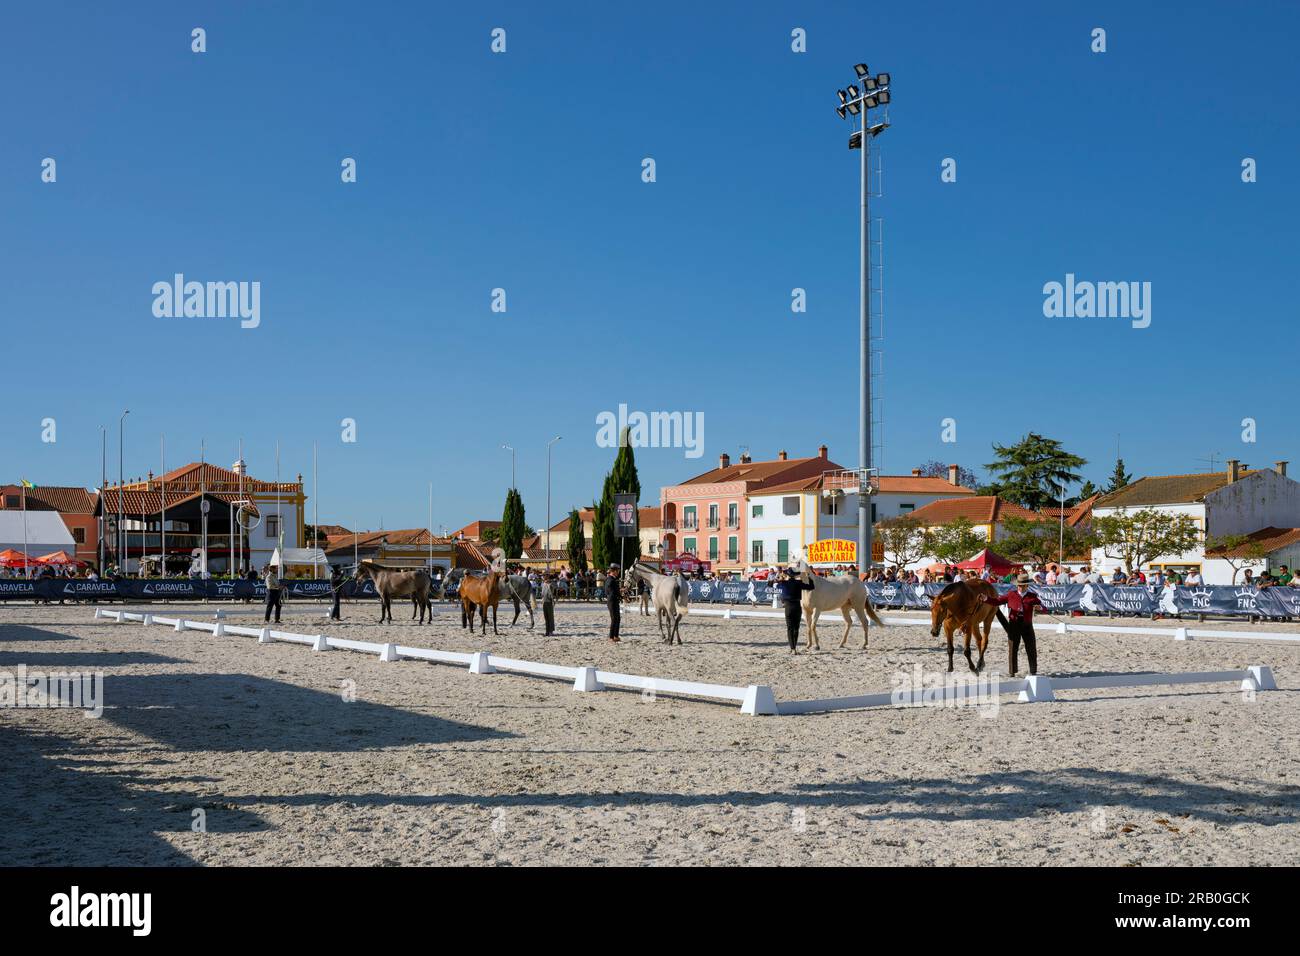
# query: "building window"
x,y
903,509
790,505
688,545
79,535
756,552
713,549
273,526
832,505
873,512
713,516
13,501
756,511
733,515
689,517
782,550
733,548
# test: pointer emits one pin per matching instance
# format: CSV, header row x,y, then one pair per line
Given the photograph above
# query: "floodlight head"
x,y
868,84
842,111
844,97
854,108
855,139
882,79
869,102
852,91
860,69
877,129
883,97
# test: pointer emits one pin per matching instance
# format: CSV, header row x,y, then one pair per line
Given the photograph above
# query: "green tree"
x,y
622,479
577,543
901,539
1035,471
1249,551
955,542
934,468
1119,477
511,535
1086,491
1042,542
1141,536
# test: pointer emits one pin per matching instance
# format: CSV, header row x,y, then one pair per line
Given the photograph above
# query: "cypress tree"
x,y
577,543
622,479
511,537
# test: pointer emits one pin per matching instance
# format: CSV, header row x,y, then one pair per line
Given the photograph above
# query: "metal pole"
x,y
1060,547
431,529
315,512
118,533
548,501
864,395
241,501
162,525
103,482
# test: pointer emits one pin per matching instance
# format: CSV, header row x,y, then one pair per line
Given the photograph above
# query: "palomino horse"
x,y
483,593
841,594
397,582
671,594
959,606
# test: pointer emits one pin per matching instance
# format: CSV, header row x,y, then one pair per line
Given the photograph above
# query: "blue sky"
x,y
523,171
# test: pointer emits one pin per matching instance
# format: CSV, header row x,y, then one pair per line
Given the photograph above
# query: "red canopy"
x,y
687,562
990,560
10,558
58,557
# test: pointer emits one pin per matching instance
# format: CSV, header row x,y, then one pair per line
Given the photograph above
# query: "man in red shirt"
x,y
1020,611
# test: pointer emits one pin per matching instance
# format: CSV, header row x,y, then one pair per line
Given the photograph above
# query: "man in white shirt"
x,y
1193,579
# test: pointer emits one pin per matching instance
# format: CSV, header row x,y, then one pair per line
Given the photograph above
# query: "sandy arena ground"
x,y
430,765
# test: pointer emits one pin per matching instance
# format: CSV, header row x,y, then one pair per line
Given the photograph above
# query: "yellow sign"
x,y
833,551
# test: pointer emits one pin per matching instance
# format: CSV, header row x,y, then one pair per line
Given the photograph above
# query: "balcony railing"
x,y
690,524
713,524
733,523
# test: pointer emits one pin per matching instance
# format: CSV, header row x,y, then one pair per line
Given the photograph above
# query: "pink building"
x,y
706,515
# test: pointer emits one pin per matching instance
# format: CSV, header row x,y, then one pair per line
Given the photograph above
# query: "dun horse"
x,y
959,606
482,593
400,583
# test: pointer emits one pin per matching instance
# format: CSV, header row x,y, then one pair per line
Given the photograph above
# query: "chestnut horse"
x,y
482,593
959,606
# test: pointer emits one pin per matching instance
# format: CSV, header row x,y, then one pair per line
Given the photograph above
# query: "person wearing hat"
x,y
548,602
336,591
790,589
612,602
1020,609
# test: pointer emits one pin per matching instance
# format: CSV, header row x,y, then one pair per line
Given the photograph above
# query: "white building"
x,y
787,518
1262,503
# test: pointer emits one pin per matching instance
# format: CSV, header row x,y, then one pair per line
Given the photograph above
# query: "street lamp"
x,y
852,102
548,501
512,464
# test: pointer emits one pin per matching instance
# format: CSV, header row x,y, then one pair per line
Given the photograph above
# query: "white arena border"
x,y
753,700
1062,627
756,699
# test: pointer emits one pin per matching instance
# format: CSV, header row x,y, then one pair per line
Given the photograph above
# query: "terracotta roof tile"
x,y
1269,539
977,509
63,498
1167,489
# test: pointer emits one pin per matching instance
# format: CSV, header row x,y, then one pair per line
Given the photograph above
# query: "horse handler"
x,y
612,598
336,588
272,579
789,589
1020,608
548,604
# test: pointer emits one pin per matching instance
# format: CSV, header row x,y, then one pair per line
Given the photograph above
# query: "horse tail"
x,y
871,613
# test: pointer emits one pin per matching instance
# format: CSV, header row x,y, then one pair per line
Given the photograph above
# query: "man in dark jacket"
x,y
790,590
336,590
1020,609
612,602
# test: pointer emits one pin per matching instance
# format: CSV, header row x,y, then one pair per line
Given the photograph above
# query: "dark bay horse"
x,y
397,582
959,606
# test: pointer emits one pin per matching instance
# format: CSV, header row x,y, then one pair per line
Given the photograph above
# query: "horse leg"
x,y
983,641
516,617
947,633
848,625
862,617
494,621
967,630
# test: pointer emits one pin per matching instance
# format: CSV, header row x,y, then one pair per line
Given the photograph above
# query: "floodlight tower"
x,y
858,103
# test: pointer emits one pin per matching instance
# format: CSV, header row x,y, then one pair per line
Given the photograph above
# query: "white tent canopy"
x,y
300,556
46,532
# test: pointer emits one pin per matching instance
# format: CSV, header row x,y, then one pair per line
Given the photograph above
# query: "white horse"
x,y
671,594
844,594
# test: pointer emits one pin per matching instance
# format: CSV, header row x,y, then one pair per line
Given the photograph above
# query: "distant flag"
x,y
28,485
